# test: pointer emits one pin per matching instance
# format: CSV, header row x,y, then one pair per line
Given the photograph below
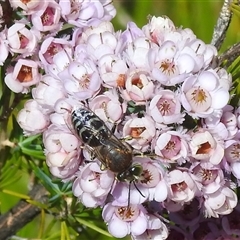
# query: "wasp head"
x,y
131,174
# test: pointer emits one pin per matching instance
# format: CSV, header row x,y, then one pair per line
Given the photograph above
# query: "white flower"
x,y
205,147
203,94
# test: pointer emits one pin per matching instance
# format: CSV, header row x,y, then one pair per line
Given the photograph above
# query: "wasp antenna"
x,y
129,195
162,218
65,109
126,138
137,189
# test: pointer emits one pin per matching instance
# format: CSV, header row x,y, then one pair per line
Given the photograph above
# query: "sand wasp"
x,y
114,154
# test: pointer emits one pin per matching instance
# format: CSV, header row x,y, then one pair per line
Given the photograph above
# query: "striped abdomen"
x,y
89,127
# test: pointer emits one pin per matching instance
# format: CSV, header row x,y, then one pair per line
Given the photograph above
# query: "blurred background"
x,y
198,15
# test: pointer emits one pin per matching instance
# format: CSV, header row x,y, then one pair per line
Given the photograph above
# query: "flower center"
x,y
179,187
121,80
23,40
204,148
54,49
25,1
233,152
168,67
47,17
127,213
84,82
95,177
172,148
136,131
199,99
208,176
25,74
137,82
236,151
166,106
146,177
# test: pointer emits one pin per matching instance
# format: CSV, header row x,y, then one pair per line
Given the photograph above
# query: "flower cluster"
x,y
161,89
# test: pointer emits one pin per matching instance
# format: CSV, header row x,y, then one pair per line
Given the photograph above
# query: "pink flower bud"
x,y
21,39
32,118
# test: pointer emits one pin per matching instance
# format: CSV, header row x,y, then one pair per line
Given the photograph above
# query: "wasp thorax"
x,y
89,127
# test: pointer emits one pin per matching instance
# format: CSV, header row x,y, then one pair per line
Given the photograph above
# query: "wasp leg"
x,y
138,189
141,154
92,155
129,191
149,155
102,167
127,138
114,128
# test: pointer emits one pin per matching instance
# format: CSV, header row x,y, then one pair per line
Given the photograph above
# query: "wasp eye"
x,y
136,170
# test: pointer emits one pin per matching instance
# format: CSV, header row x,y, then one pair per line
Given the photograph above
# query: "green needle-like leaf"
x,y
92,226
16,194
46,181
